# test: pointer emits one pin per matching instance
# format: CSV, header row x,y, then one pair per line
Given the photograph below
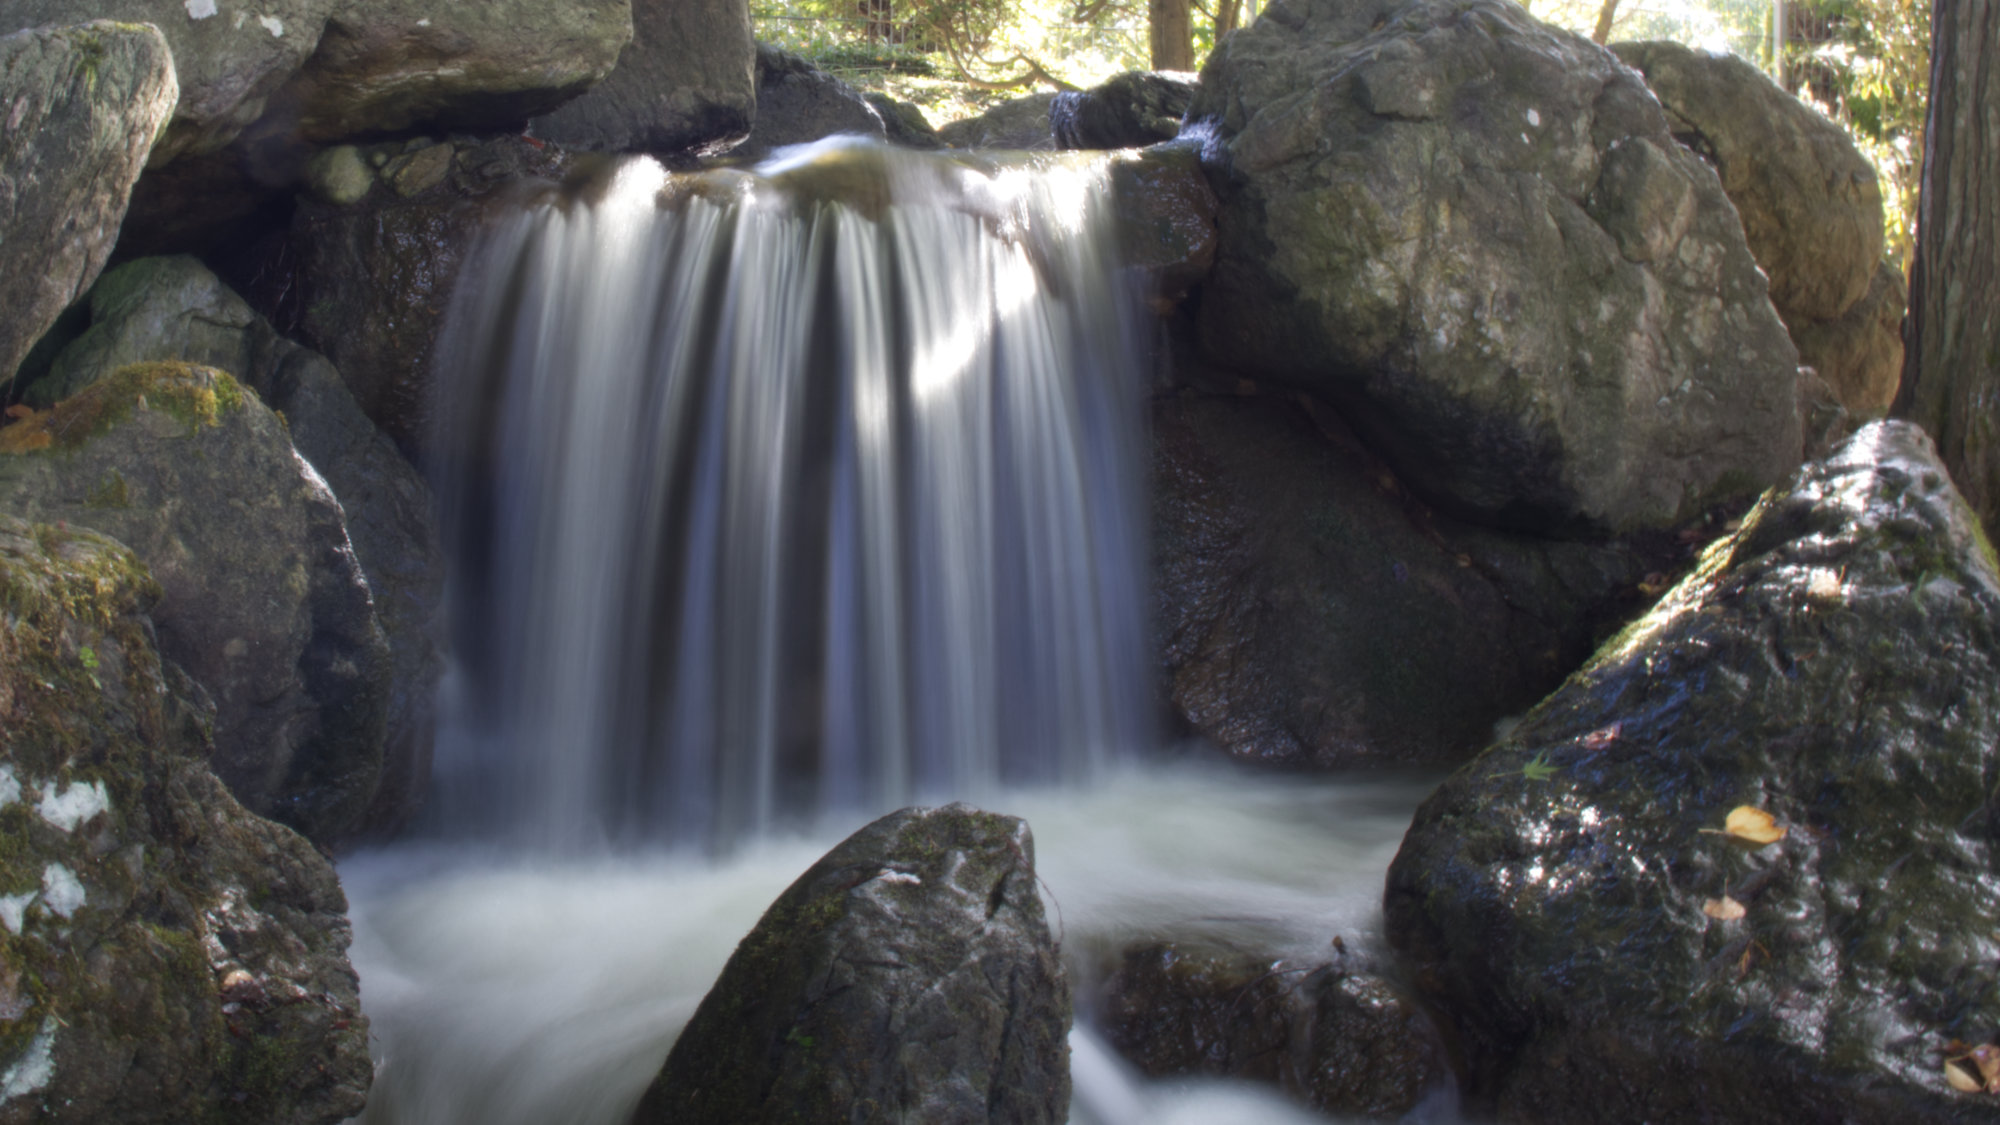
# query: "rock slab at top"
x,y
686,82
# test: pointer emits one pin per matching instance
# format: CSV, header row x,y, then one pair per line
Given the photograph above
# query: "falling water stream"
x,y
777,499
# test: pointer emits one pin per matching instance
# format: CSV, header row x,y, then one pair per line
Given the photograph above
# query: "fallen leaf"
x,y
1654,584
1725,909
1987,1057
1823,586
1538,769
1465,560
20,410
1961,1078
1751,825
1602,737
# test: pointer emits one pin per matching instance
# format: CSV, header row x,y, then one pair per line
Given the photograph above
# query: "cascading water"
x,y
782,493
777,499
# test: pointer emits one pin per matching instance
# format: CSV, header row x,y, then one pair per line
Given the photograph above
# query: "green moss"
x,y
194,395
110,492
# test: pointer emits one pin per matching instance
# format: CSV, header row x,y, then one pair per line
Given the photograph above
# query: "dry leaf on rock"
x,y
1961,1077
1751,825
1725,908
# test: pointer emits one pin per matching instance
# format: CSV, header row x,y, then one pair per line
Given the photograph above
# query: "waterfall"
x,y
785,492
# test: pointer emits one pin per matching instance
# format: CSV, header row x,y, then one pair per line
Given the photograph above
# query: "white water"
x,y
510,991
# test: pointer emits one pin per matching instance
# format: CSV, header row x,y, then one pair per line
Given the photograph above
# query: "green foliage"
x,y
1868,66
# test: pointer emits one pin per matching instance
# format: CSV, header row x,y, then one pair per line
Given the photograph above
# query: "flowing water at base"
x,y
511,990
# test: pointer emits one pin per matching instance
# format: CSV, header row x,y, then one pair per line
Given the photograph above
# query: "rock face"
x,y
908,976
904,123
264,606
376,269
1340,1038
1571,901
84,104
686,83
168,957
174,309
227,67
1475,234
1166,220
1811,209
1313,613
1139,107
797,102
1019,124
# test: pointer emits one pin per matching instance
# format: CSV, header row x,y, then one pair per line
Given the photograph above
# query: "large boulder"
x,y
378,244
1860,352
1742,866
83,106
908,976
228,59
1021,124
264,604
1136,108
1338,1035
1476,235
798,102
174,309
686,83
165,956
1166,220
1313,613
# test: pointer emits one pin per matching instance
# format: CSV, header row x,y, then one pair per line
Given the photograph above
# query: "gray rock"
x,y
686,83
1475,234
797,102
339,175
908,977
1166,220
1810,203
904,122
1860,353
1133,109
168,957
81,107
264,606
1022,124
159,309
1571,901
229,59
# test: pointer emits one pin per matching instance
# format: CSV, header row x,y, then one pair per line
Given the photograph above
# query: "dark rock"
x,y
1313,613
1860,355
1569,899
373,279
904,122
1021,124
1166,220
686,83
1343,1039
1475,234
797,102
160,309
1136,108
164,955
264,604
83,106
908,976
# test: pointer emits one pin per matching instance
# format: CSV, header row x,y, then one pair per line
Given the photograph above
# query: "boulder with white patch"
x,y
165,956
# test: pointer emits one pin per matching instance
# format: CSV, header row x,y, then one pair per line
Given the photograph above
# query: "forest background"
x,y
1865,63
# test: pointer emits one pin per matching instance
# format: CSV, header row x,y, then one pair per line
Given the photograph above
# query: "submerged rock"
x,y
1022,124
264,604
1475,234
1573,899
84,104
165,956
908,976
1136,108
174,309
686,83
1341,1038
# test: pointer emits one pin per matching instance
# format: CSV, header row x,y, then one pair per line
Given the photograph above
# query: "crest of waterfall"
x,y
781,492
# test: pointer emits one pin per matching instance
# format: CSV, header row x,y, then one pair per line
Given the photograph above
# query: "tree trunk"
x,y
1227,12
1172,24
1605,15
1951,365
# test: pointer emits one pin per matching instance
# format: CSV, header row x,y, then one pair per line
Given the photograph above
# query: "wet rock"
x,y
798,102
1166,220
174,309
165,956
83,104
1475,234
904,122
373,279
686,83
1314,613
908,976
1810,203
1342,1038
264,604
1133,109
1021,124
1860,355
1571,900
228,60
